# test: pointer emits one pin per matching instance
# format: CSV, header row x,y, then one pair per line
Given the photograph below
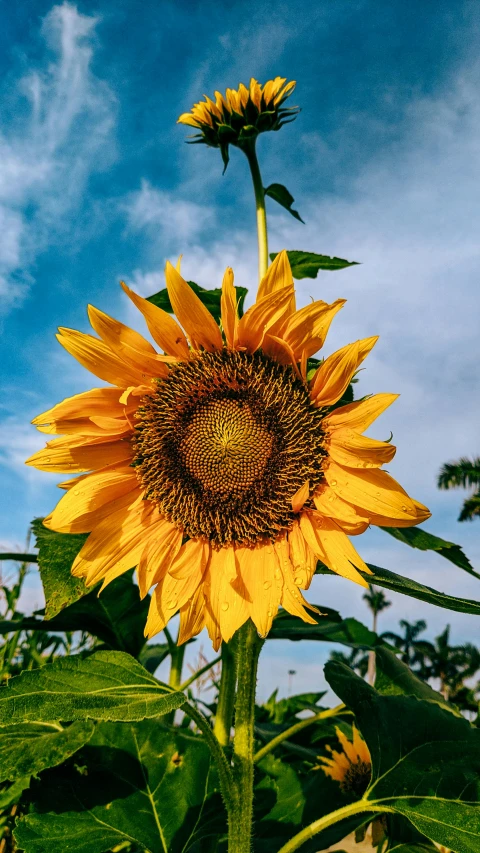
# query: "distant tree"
x,y
414,650
451,665
463,474
376,601
356,660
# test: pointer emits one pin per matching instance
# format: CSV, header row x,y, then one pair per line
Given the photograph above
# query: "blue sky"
x,y
96,184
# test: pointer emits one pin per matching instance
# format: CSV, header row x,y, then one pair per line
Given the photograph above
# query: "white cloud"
x,y
49,152
172,219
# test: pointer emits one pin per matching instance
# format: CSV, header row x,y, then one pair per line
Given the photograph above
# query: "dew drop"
x,y
334,483
225,606
299,580
172,604
331,498
267,585
76,492
278,573
404,508
269,614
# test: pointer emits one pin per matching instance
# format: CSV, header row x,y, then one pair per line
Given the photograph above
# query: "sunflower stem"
x,y
177,654
328,820
240,822
259,191
226,694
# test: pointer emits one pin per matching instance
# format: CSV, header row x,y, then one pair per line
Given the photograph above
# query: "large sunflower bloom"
x,y
216,468
238,117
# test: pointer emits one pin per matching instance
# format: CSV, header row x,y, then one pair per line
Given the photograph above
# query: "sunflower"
x,y
238,117
352,767
216,467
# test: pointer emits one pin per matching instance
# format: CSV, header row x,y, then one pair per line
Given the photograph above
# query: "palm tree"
x,y
377,601
463,474
414,650
452,665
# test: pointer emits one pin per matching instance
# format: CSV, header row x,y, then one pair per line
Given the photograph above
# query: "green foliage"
x,y
209,298
139,783
308,264
329,628
282,196
425,760
394,678
28,748
416,537
103,686
56,553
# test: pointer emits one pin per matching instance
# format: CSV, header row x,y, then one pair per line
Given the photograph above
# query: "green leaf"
x,y
152,656
282,196
139,783
416,537
330,628
103,686
307,264
395,678
209,298
28,748
12,793
407,586
56,553
281,798
425,760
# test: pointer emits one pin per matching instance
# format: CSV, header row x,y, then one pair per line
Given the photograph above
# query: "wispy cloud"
x,y
63,133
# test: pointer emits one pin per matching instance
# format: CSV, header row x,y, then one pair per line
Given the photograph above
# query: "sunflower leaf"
x,y
407,586
56,553
395,678
139,783
330,628
28,748
282,196
307,264
425,760
419,538
209,298
103,686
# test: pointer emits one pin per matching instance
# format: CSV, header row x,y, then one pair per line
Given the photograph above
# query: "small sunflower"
x,y
216,467
352,767
237,117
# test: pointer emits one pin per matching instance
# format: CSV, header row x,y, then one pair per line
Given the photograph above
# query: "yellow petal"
x,y
282,352
197,321
292,599
80,509
421,515
227,598
359,415
262,318
228,305
163,328
158,556
117,337
98,358
95,426
334,375
349,448
192,616
65,459
333,547
257,569
301,496
302,558
98,401
307,329
278,277
372,490
187,118
174,590
328,503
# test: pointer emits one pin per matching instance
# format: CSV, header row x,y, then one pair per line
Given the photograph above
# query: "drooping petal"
x,y
98,358
301,556
192,616
257,568
178,585
334,375
227,597
372,490
280,351
307,329
333,547
197,321
228,307
158,556
292,599
163,328
359,415
349,448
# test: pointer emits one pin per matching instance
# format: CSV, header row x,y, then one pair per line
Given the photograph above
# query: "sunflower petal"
x,y
158,556
278,277
292,599
301,496
334,375
98,358
372,490
174,591
228,599
261,318
117,337
328,503
333,547
76,459
228,307
163,328
359,415
301,556
79,510
192,616
257,567
307,329
197,321
349,448
98,401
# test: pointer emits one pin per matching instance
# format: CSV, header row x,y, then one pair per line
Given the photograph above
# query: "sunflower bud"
x,y
237,117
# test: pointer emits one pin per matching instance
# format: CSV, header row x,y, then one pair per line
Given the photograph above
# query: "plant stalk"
x,y
261,210
226,694
240,823
297,727
328,820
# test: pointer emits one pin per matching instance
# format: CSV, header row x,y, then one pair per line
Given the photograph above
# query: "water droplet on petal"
x,y
333,482
76,492
299,580
267,585
225,606
172,604
404,508
278,573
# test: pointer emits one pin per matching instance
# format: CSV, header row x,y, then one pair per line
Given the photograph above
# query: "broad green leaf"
x,y
416,537
139,783
152,656
282,196
425,760
395,678
210,298
330,628
10,794
285,710
103,686
56,553
28,748
281,799
307,264
407,586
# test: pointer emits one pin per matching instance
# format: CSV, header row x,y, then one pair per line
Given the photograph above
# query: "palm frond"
x,y
470,508
461,473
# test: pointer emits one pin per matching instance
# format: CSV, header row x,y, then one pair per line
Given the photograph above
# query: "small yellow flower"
x,y
237,117
218,467
352,767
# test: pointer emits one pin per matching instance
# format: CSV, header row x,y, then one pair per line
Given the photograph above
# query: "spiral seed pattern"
x,y
224,442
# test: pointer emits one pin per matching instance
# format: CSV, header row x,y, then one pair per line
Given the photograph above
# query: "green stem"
x,y
328,820
227,785
21,558
261,211
183,686
177,654
240,823
298,727
226,694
